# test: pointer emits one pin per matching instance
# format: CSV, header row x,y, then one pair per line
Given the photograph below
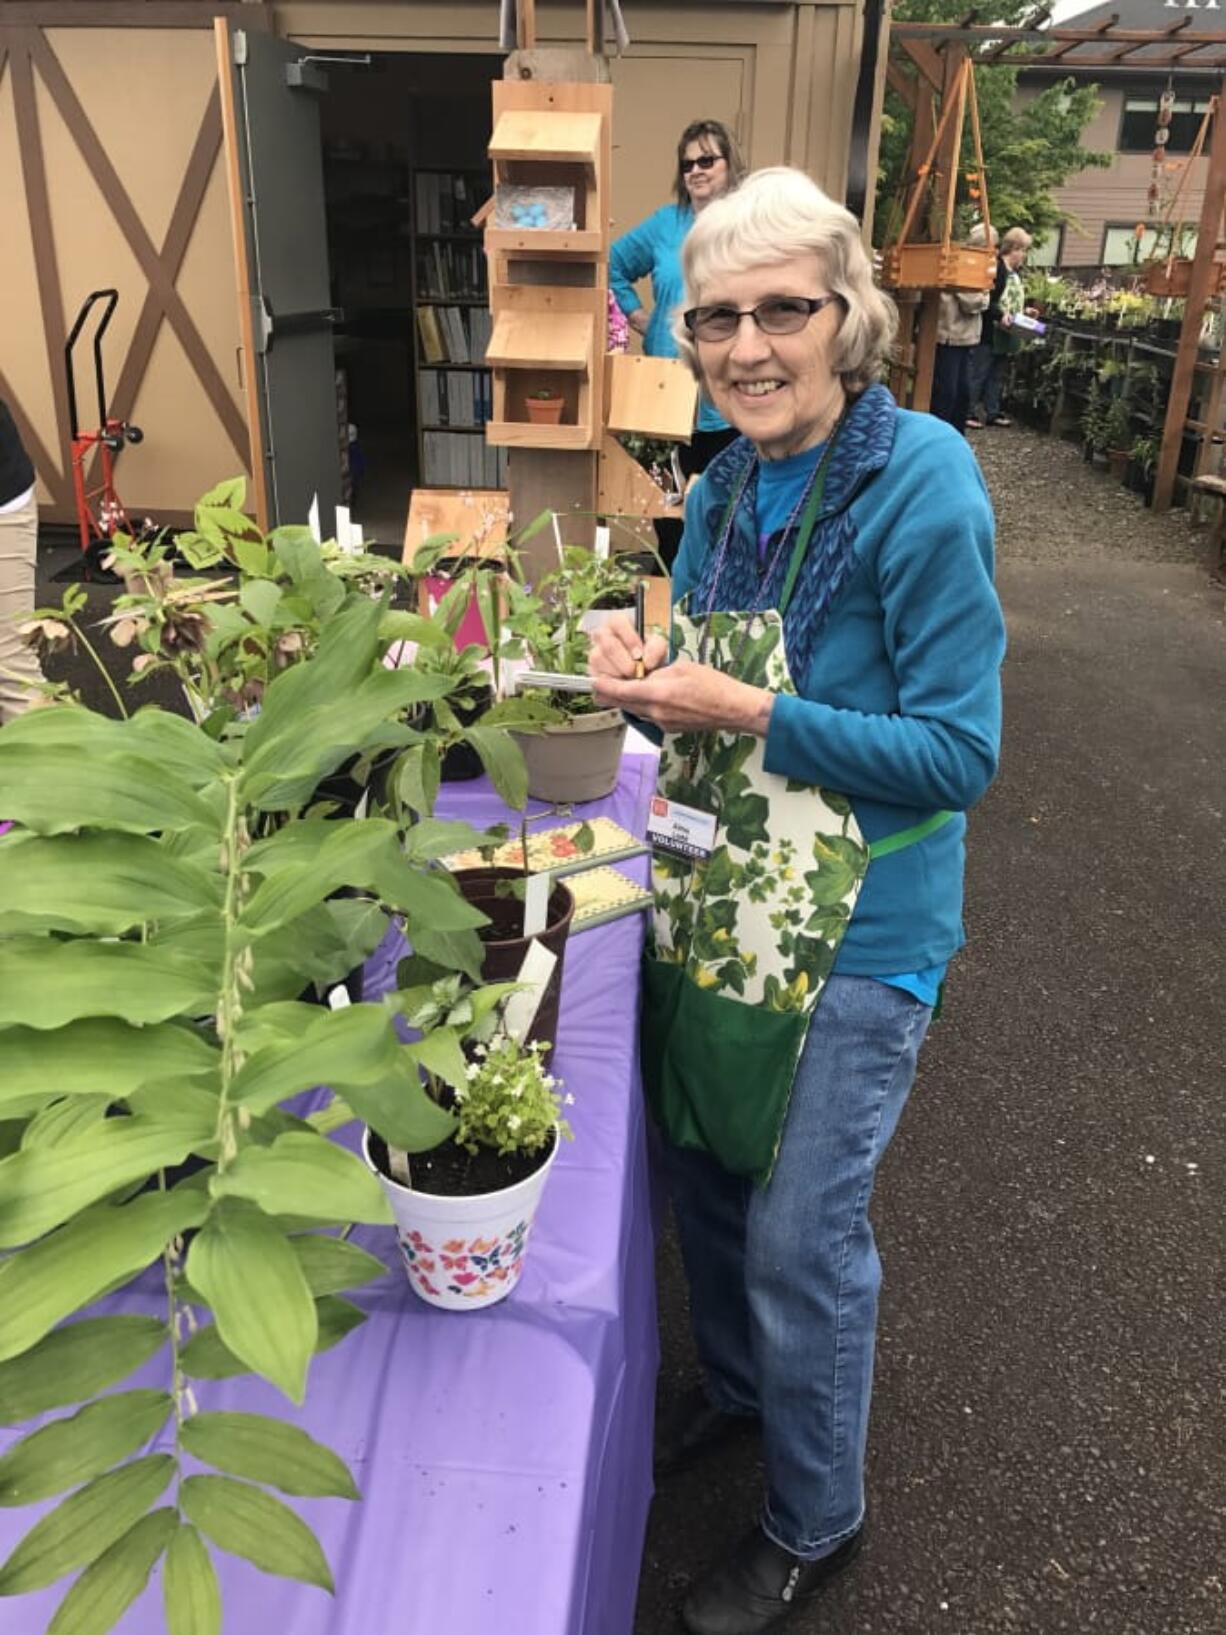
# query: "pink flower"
x,y
618,329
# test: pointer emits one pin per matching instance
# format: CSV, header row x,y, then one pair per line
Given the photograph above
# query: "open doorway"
x,y
405,167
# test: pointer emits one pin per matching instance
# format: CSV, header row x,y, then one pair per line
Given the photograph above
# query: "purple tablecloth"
x,y
504,1455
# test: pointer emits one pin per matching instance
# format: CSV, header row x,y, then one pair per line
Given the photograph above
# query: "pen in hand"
x,y
640,624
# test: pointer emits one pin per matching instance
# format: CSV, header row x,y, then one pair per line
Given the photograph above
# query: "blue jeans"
x,y
784,1279
986,380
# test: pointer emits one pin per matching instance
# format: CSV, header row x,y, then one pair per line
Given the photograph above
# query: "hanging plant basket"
x,y
1174,277
946,265
938,266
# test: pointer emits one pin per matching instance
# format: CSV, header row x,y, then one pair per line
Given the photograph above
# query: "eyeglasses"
x,y
704,161
777,315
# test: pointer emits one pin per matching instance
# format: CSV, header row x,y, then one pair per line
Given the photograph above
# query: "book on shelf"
x,y
461,459
431,336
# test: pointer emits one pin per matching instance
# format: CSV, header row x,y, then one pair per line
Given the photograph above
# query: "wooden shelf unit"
x,y
549,289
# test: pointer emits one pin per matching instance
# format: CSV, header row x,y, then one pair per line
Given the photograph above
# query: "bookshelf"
x,y
451,330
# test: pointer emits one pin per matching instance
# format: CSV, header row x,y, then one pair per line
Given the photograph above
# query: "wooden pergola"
x,y
924,62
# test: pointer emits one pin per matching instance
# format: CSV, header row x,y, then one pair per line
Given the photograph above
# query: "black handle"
x,y
111,297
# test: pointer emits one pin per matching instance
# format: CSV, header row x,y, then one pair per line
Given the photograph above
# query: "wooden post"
x,y
910,308
1199,289
944,190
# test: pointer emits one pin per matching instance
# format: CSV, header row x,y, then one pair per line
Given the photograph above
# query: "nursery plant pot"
x,y
577,760
504,946
544,411
460,1252
1117,460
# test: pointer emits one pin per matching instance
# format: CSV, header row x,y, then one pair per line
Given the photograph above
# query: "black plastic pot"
x,y
506,947
461,763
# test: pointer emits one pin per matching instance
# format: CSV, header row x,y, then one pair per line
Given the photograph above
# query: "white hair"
x,y
775,215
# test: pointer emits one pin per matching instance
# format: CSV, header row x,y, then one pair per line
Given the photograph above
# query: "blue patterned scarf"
x,y
863,447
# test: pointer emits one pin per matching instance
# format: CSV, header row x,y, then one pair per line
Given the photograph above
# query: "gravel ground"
x,y
1051,505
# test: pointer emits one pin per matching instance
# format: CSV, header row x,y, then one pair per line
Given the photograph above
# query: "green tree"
x,y
1030,147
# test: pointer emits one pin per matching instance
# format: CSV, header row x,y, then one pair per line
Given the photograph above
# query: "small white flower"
x,y
518,1090
568,1101
471,1072
514,1122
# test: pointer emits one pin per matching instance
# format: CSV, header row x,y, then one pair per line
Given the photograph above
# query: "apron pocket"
x,y
717,1074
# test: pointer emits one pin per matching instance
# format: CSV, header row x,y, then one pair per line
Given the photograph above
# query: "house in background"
x,y
1103,207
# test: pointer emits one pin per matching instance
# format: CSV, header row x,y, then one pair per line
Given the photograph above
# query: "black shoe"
x,y
760,1585
694,1428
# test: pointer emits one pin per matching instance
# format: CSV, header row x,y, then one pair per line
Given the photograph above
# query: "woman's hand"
x,y
638,320
680,697
616,651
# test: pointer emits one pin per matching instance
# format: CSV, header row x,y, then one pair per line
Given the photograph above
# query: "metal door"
x,y
271,121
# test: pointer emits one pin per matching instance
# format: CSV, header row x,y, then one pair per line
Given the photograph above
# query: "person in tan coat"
x,y
19,670
959,326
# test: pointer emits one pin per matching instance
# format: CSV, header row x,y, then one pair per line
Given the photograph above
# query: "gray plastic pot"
x,y
576,761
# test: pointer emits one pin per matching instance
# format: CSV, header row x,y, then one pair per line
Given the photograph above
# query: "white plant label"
x,y
313,519
342,528
521,1008
557,539
602,543
338,997
536,904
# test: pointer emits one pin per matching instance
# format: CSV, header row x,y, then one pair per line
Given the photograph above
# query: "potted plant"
x,y
169,892
1143,458
578,758
464,1206
544,405
1117,435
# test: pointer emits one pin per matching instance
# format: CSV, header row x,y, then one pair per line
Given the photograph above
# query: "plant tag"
x,y
557,539
342,528
536,904
338,997
534,974
398,1163
602,543
313,519
681,831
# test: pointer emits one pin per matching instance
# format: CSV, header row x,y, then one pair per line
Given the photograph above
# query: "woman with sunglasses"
x,y
829,707
708,166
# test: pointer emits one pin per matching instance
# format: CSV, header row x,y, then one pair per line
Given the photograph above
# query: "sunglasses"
x,y
777,315
704,161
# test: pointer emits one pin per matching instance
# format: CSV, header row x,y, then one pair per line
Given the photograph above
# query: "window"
x,y
1120,246
1049,252
1140,121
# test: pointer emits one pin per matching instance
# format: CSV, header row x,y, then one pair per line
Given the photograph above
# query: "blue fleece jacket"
x,y
899,704
653,249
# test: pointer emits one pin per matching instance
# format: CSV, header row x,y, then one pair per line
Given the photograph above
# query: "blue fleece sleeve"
x,y
632,257
945,638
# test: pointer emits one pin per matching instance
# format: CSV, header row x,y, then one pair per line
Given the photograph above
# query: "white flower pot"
x,y
463,1252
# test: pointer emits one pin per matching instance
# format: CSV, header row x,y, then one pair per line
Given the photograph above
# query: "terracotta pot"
x,y
576,761
463,1253
544,411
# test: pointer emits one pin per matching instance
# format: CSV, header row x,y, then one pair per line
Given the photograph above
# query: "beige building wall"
x,y
1115,197
783,75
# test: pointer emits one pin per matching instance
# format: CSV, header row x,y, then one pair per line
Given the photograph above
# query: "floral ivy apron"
x,y
742,943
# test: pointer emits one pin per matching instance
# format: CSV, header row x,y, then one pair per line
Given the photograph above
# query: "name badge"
x,y
681,831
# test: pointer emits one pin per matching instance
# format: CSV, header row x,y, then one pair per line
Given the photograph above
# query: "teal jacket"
x,y
653,249
898,702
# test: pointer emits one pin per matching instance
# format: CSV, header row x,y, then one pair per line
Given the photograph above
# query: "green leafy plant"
x,y
1144,454
509,1102
1117,424
544,394
153,955
262,608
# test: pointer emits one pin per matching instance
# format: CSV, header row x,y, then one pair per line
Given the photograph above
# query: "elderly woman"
x,y
829,707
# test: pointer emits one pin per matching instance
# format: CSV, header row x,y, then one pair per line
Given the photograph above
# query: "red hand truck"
x,y
100,511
